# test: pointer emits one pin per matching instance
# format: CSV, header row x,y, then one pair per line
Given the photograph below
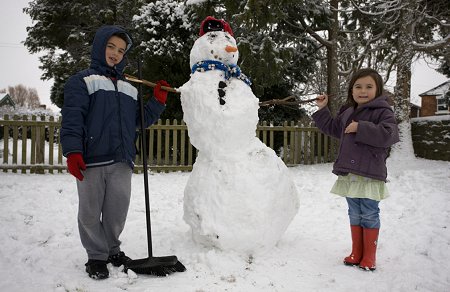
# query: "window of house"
x,y
442,102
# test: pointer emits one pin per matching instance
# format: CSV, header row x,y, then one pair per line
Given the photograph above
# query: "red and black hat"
x,y
212,24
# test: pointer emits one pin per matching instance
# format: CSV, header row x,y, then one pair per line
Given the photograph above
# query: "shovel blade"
x,y
157,266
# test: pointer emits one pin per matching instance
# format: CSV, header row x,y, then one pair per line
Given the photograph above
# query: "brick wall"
x,y
429,106
415,112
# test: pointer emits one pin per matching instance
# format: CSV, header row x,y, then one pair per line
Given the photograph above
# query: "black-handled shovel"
x,y
158,266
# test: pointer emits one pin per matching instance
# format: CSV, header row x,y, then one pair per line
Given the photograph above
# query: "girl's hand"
x,y
351,128
322,101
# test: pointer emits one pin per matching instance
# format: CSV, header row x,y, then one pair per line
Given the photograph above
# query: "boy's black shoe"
x,y
118,259
97,269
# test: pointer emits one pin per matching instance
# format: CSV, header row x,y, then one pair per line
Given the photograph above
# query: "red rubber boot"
x,y
357,246
370,239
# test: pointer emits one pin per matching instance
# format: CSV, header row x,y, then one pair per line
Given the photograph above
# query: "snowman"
x,y
240,196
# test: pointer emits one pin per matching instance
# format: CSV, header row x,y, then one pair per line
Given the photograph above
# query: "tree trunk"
x,y
332,59
402,95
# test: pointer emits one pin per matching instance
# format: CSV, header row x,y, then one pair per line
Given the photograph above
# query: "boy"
x,y
100,117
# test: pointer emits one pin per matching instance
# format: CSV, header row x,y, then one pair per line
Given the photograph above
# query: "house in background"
x,y
436,100
6,100
414,109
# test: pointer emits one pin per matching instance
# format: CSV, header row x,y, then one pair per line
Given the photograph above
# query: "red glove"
x,y
75,163
160,94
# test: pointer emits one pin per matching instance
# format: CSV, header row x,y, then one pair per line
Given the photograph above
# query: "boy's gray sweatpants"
x,y
104,198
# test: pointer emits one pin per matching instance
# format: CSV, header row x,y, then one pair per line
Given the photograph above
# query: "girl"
x,y
366,128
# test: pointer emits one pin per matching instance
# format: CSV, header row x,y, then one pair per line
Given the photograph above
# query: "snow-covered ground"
x,y
40,247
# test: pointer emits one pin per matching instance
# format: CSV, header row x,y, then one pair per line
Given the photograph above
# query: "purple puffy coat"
x,y
364,152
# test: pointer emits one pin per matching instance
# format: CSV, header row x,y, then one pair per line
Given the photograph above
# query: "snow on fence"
x,y
31,145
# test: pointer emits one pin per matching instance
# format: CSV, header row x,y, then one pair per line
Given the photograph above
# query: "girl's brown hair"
x,y
363,73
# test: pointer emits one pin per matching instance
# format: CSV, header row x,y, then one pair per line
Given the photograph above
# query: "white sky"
x,y
20,67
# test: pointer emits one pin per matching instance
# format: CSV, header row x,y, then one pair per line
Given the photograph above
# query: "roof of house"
x,y
438,90
5,99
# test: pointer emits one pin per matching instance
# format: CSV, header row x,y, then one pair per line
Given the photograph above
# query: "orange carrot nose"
x,y
230,49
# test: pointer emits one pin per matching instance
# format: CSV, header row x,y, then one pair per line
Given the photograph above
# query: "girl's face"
x,y
115,50
364,90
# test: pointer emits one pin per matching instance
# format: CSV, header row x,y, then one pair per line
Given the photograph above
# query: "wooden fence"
x,y
31,145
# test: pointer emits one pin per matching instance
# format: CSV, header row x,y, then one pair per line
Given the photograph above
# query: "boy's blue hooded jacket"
x,y
101,113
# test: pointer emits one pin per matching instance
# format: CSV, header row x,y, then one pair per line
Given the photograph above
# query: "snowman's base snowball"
x,y
243,206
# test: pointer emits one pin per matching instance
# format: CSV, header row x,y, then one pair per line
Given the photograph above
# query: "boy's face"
x,y
115,50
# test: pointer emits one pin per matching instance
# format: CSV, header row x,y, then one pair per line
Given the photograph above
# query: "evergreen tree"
x,y
444,68
171,27
308,33
166,33
286,46
277,61
65,30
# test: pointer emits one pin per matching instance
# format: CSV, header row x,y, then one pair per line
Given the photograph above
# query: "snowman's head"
x,y
216,42
215,45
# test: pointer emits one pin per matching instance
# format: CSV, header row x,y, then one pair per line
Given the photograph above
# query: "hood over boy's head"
x,y
103,34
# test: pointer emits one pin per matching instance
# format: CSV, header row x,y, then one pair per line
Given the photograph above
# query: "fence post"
x,y
285,143
175,143
292,152
40,147
305,146
33,144
158,145
5,142
167,143
24,144
183,145
311,145
271,137
264,133
319,147
51,133
60,154
15,140
297,149
151,146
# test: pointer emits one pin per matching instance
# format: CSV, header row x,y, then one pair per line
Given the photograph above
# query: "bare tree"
x,y
18,94
411,28
24,96
33,98
348,39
